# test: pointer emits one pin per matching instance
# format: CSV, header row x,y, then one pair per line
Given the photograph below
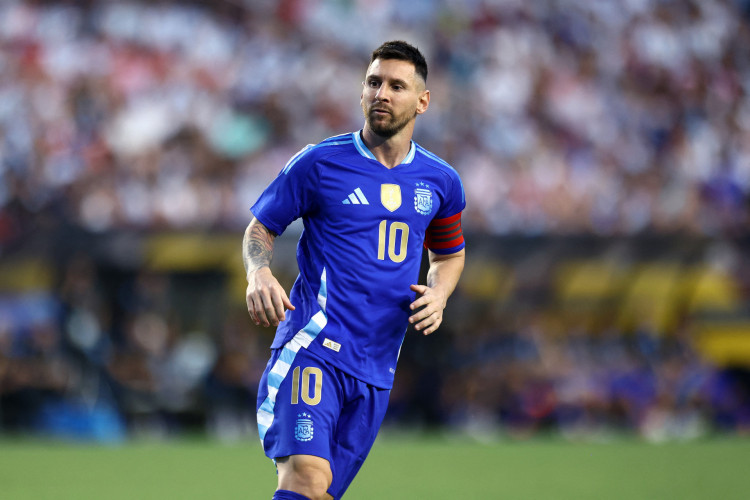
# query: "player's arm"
x,y
442,277
265,297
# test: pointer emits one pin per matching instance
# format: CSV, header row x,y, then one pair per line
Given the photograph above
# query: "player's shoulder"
x,y
314,152
336,142
431,160
332,145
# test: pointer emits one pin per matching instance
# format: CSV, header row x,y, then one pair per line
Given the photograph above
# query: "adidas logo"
x,y
334,346
356,198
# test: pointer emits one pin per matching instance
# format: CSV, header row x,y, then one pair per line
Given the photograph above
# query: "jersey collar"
x,y
364,151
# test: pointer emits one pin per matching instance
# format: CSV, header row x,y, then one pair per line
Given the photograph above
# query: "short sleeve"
x,y
444,234
454,200
290,195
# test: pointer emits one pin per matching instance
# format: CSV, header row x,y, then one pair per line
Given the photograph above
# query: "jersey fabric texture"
x,y
361,247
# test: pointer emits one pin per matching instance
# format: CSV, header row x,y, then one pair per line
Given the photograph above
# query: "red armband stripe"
x,y
445,233
446,220
446,229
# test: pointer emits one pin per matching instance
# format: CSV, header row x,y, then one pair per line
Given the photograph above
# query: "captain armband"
x,y
445,236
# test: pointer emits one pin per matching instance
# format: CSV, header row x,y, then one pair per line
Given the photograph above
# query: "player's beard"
x,y
389,125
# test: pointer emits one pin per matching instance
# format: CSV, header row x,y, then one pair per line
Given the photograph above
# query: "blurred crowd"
x,y
510,377
110,353
563,117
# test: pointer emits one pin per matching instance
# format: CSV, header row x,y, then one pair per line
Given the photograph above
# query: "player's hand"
x,y
266,298
432,302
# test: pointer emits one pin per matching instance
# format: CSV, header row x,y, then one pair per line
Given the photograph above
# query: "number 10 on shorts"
x,y
317,386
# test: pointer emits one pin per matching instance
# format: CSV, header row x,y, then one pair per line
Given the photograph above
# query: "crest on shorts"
x,y
390,196
303,431
423,199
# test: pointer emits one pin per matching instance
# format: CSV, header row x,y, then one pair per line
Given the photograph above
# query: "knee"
x,y
309,476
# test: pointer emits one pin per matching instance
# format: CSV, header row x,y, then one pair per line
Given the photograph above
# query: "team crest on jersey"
x,y
390,196
423,199
303,431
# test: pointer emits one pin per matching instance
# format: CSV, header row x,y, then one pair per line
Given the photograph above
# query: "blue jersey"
x,y
365,227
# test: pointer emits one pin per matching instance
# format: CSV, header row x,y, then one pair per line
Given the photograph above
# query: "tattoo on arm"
x,y
257,246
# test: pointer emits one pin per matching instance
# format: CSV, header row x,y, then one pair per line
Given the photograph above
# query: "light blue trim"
x,y
365,151
287,356
310,147
345,135
274,380
280,369
294,158
267,406
412,153
311,329
433,156
323,291
361,196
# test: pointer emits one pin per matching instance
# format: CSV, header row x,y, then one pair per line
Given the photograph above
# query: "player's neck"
x,y
389,151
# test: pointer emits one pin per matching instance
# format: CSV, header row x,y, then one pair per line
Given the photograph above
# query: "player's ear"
x,y
423,102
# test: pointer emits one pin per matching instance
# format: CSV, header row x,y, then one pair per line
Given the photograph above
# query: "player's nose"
x,y
382,94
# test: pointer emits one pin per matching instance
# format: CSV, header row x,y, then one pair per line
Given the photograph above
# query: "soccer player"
x,y
370,201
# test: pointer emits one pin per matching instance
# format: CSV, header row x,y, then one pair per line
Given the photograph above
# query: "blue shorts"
x,y
308,407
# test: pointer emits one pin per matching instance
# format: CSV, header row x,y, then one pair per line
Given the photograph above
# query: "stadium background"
x,y
605,152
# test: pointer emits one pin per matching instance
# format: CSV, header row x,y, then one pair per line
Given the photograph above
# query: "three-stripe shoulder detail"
x,y
435,157
331,141
445,164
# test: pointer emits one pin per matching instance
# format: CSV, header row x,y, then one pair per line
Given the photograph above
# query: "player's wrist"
x,y
442,296
253,271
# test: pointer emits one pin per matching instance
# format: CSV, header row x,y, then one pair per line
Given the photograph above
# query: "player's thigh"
x,y
357,429
298,406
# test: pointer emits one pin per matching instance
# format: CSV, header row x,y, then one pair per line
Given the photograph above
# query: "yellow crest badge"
x,y
390,196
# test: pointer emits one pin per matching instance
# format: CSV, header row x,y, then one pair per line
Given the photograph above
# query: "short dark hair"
x,y
403,51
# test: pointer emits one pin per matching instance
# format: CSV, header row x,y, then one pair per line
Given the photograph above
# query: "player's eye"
x,y
373,84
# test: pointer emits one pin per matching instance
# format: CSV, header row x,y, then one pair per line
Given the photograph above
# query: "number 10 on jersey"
x,y
388,235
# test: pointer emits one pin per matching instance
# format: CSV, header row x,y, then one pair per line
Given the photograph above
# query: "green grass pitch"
x,y
398,468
